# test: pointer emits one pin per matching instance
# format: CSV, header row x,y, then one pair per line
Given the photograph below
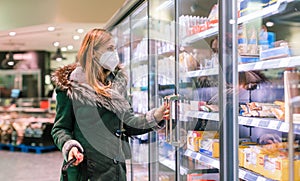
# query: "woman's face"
x,y
107,61
109,46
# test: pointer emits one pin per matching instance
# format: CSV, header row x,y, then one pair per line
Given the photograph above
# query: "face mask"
x,y
109,60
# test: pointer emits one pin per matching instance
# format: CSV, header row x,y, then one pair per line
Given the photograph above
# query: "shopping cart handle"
x,y
68,164
65,168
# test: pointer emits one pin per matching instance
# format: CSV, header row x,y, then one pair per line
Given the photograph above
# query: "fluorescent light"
x,y
56,44
12,33
70,47
80,30
11,63
63,49
51,28
269,24
76,37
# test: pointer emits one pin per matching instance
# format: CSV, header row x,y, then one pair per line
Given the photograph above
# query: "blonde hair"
x,y
87,58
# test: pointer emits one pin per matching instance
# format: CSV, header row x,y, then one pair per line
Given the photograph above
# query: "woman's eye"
x,y
111,48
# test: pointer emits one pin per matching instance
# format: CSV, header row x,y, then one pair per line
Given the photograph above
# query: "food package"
x,y
194,138
276,168
210,147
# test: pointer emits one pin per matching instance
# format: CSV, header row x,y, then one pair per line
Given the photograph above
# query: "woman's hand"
x,y
75,153
162,113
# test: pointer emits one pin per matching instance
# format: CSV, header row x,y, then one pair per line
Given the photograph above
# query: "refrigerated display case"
x,y
27,81
231,72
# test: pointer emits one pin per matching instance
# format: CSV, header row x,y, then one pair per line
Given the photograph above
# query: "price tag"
x,y
273,125
194,155
242,173
258,65
284,62
200,115
259,178
284,127
242,121
204,115
296,129
264,123
255,122
198,157
249,121
193,114
215,117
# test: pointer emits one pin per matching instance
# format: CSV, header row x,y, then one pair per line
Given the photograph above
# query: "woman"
x,y
93,117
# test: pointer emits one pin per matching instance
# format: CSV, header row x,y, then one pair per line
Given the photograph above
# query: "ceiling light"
x,y
56,44
63,49
58,55
76,37
70,47
269,24
12,33
51,28
9,61
80,30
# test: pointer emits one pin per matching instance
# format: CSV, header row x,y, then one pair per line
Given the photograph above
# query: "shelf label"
x,y
242,121
264,123
297,129
198,157
284,127
284,62
259,178
193,154
249,121
242,173
255,122
273,125
259,65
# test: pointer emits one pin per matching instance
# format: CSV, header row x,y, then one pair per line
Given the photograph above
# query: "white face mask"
x,y
109,60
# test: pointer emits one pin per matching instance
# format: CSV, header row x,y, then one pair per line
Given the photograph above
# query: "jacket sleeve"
x,y
64,123
136,125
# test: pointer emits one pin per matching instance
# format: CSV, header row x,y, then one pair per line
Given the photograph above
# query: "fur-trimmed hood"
x,y
71,78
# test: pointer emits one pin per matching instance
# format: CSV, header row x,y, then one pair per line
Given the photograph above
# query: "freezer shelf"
x,y
205,34
203,158
270,64
264,12
171,164
243,173
204,72
203,115
183,170
250,176
268,123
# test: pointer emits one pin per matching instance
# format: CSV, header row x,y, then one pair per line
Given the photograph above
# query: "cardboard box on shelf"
x,y
194,138
203,177
210,147
241,155
251,157
277,168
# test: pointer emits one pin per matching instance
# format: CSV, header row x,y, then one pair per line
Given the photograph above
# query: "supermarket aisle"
x,y
18,166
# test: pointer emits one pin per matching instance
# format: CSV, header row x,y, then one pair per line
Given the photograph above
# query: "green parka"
x,y
93,123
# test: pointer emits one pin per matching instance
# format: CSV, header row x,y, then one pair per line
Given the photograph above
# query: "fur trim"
x,y
72,79
60,77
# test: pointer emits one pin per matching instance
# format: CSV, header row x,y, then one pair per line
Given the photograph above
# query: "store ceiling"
x,y
31,18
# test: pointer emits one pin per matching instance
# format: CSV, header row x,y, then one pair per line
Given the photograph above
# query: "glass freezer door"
x,y
162,78
197,68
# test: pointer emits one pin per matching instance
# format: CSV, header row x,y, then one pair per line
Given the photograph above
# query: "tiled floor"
x,y
19,166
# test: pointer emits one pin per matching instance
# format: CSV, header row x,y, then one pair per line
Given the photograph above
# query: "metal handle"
x,y
170,100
